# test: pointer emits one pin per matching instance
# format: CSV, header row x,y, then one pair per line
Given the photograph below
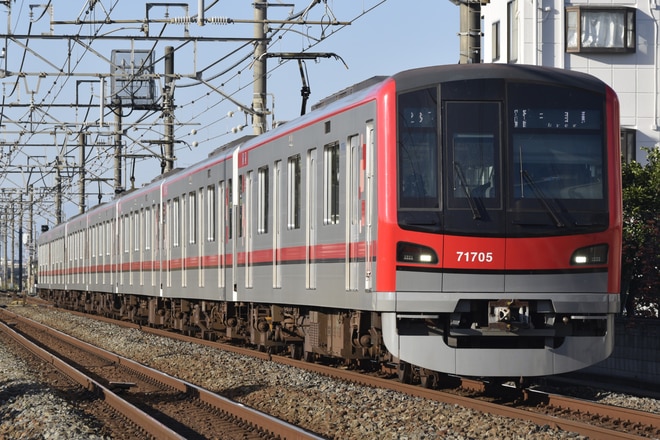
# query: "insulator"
x,y
181,20
219,20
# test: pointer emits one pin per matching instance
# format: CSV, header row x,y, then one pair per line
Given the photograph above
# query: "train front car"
x,y
503,249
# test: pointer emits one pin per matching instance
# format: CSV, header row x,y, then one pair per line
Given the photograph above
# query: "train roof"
x,y
348,91
231,144
520,72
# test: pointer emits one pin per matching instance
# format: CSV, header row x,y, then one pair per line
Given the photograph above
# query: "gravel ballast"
x,y
330,408
30,410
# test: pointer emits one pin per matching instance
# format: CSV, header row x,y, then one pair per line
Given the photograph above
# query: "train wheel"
x,y
405,372
295,351
428,378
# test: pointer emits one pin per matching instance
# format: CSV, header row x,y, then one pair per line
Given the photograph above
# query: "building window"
x,y
512,24
600,29
628,144
495,42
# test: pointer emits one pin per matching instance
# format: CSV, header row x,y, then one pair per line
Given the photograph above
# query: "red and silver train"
x,y
461,219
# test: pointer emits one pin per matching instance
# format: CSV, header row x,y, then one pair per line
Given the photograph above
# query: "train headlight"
x,y
415,253
590,255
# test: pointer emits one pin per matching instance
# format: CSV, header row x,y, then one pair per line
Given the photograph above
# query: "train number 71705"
x,y
474,257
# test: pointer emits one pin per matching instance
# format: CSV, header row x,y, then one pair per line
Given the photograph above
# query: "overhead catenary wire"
x,y
226,73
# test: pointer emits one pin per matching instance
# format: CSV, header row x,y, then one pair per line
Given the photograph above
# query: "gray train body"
x,y
291,241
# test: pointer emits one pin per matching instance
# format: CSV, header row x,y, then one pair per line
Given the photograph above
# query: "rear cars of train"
x,y
462,219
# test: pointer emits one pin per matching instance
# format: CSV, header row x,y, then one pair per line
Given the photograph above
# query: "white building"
x,y
616,41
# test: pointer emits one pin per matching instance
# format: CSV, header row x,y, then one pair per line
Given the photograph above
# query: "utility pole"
x,y
116,105
82,140
20,243
259,70
4,238
470,30
13,245
168,111
30,237
58,190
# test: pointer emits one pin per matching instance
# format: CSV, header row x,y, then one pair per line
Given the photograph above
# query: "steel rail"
x,y
413,390
131,412
266,422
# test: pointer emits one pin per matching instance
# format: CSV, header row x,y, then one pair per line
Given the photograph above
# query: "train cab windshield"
x,y
476,158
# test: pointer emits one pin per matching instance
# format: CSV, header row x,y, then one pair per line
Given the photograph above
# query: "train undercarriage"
x,y
349,336
356,338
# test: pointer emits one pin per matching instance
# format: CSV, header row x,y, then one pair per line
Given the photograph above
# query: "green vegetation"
x,y
640,283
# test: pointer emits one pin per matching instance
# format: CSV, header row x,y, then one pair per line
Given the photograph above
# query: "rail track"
x,y
569,414
158,405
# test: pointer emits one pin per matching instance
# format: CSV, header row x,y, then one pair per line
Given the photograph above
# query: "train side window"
x,y
112,245
137,227
221,211
331,184
156,208
176,230
210,213
262,214
240,213
147,229
108,238
126,232
192,217
277,198
201,230
222,231
230,208
293,192
92,241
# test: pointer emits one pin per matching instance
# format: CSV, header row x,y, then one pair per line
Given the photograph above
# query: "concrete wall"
x,y
636,353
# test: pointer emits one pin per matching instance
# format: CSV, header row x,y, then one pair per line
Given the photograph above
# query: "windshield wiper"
x,y
542,199
476,215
